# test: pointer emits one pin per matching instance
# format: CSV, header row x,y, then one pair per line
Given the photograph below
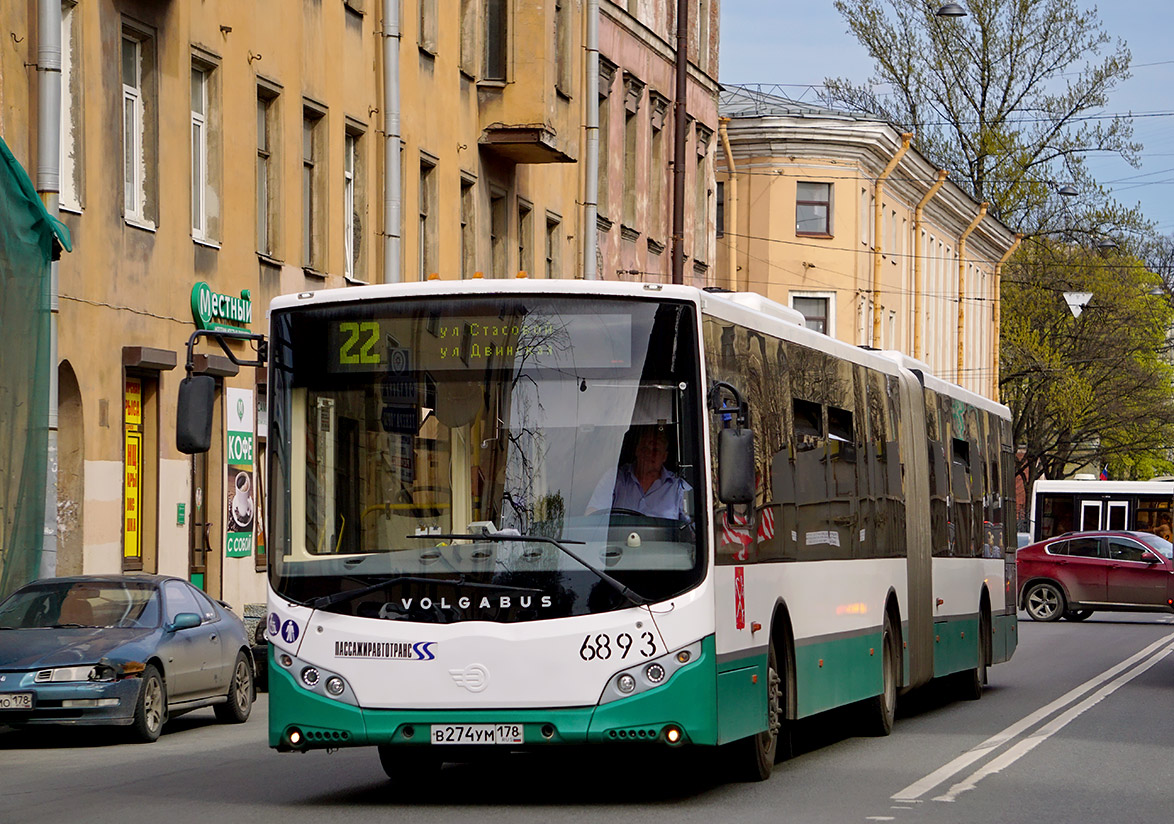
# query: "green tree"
x,y
1007,99
1094,389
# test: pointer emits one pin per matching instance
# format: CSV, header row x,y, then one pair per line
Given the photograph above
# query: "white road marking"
x,y
1043,733
919,788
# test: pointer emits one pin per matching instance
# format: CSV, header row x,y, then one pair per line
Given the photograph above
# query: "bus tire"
x,y
409,766
972,681
881,710
753,758
1044,601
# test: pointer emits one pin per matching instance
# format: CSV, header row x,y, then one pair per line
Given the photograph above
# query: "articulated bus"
x,y
1086,504
441,586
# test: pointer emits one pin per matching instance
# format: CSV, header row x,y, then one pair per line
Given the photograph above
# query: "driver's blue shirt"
x,y
621,490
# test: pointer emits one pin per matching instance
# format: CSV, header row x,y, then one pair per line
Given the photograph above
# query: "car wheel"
x,y
1045,602
881,710
1077,614
151,707
240,693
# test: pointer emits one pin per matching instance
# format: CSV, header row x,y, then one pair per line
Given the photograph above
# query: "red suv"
x,y
1077,573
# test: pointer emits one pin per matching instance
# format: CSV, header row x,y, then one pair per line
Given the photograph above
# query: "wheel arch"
x,y
782,636
893,611
1021,601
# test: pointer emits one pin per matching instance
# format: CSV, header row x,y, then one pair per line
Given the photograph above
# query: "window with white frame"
x,y
137,149
817,308
71,110
199,151
350,213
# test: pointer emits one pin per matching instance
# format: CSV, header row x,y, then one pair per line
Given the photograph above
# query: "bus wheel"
x,y
753,758
972,680
881,710
407,766
1044,601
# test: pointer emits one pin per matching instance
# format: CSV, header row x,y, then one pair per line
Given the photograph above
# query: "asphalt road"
x,y
1076,728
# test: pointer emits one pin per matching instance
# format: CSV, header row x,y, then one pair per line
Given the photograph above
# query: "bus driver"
x,y
644,485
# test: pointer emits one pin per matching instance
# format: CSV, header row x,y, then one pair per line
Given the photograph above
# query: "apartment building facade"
x,y
216,154
800,223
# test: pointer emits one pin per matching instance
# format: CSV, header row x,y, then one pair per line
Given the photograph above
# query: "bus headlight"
x,y
649,675
334,685
310,677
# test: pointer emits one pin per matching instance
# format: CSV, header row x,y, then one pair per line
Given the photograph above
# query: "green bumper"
x,y
687,701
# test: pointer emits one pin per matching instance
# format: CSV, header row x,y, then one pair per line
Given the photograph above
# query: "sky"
x,y
796,45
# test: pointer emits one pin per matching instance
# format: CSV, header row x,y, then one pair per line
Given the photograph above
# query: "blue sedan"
x,y
126,650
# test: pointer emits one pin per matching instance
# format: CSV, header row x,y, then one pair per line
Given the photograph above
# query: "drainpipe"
x,y
392,174
917,265
679,143
998,316
49,188
962,287
877,212
731,217
591,185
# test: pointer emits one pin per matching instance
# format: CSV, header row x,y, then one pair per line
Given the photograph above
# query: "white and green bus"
x,y
445,582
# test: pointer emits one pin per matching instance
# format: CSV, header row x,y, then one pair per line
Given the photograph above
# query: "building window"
x,y
199,152
720,216
496,39
813,209
354,202
553,264
701,196
469,37
525,238
427,20
498,231
703,35
313,200
428,218
71,109
563,54
816,309
267,164
468,228
138,151
658,171
630,157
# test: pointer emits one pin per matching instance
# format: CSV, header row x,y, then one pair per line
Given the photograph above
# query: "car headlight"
x,y
86,672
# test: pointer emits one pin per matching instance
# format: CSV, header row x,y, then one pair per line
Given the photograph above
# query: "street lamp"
x,y
950,10
1106,244
1067,190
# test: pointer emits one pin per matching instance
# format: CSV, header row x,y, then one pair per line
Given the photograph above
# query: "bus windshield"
x,y
416,444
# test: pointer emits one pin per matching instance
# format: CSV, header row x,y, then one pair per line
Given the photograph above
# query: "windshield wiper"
x,y
351,594
629,594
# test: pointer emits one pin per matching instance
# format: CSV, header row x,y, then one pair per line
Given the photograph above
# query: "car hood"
x,y
25,649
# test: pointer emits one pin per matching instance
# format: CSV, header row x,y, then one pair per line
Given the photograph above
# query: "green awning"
x,y
54,235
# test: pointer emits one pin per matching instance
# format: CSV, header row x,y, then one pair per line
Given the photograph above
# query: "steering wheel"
x,y
618,510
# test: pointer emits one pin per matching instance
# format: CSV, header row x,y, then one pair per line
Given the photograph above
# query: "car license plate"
x,y
477,734
16,700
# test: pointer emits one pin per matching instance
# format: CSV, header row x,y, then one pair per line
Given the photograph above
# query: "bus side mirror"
x,y
735,466
193,421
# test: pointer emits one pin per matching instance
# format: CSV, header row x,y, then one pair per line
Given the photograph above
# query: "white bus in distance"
x,y
1082,505
440,580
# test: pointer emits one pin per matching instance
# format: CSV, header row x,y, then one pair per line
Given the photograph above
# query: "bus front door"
x,y
1090,515
1118,515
